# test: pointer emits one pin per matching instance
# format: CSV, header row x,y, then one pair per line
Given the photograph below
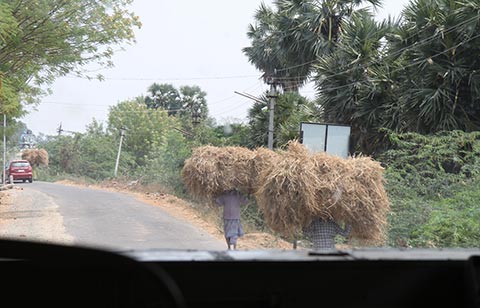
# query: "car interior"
x,y
54,275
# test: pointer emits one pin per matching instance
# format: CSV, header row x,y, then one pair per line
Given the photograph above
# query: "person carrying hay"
x,y
322,233
231,202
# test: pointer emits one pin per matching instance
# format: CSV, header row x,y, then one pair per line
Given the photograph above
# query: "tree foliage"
x,y
287,40
164,96
290,109
431,184
145,129
440,83
43,39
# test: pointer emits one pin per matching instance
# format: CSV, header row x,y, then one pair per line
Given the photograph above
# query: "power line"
x,y
168,79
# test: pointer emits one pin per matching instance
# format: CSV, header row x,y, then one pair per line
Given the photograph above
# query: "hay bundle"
x,y
299,187
363,203
36,157
352,192
287,194
262,160
213,170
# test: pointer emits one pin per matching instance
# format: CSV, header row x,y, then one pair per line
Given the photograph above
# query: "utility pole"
x,y
122,133
271,107
271,111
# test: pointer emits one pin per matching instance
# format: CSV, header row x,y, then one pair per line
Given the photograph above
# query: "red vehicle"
x,y
18,170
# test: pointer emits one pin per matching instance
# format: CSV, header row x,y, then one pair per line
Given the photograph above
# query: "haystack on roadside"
x,y
287,193
36,157
213,170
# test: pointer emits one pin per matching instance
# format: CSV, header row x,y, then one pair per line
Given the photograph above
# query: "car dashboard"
x,y
54,275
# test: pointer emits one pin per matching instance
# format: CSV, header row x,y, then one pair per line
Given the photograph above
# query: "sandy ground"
x,y
30,216
206,220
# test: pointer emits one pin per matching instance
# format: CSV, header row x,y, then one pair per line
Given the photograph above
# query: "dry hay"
x,y
36,157
300,186
212,170
262,160
352,191
287,194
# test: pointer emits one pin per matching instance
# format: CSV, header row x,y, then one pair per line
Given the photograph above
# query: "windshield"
x,y
240,125
20,164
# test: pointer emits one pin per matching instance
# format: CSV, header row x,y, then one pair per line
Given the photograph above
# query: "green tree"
x,y
290,109
194,103
289,39
232,134
145,129
438,42
41,40
164,96
354,86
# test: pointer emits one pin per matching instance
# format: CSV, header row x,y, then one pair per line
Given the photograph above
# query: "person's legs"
x,y
233,230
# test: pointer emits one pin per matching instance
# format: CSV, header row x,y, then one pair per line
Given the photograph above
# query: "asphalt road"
x,y
95,218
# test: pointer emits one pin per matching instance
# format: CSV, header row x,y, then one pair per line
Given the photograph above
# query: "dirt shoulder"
x,y
30,215
201,217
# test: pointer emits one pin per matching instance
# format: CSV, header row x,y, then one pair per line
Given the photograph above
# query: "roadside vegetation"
x,y
409,88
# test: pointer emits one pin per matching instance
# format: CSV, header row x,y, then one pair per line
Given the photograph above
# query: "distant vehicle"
x,y
18,170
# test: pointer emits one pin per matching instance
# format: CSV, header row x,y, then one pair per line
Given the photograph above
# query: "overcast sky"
x,y
181,42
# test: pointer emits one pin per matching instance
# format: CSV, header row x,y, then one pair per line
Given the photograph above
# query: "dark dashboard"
x,y
51,275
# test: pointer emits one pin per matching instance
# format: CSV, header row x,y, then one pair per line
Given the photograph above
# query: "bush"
x,y
431,183
454,222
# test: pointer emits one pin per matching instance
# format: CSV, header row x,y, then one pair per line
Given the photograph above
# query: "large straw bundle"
x,y
300,186
262,160
36,157
352,191
213,170
365,204
287,194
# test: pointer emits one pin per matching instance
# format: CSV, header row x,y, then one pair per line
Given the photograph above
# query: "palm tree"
x,y
287,41
354,85
163,96
267,53
439,42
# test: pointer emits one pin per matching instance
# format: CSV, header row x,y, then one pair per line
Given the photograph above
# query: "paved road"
x,y
96,218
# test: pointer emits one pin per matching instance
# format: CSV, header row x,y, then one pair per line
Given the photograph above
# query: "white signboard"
x,y
331,138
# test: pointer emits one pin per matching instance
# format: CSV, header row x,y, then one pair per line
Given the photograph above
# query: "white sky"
x,y
181,42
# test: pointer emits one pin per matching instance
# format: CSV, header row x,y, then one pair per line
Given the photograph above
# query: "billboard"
x,y
331,138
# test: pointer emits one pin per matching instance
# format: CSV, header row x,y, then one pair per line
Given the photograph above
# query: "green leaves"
x,y
433,186
145,128
44,39
290,109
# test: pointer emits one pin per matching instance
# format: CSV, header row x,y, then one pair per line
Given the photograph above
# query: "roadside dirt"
x,y
201,217
28,215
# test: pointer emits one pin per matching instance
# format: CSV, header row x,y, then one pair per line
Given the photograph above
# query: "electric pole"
x,y
272,95
122,133
271,111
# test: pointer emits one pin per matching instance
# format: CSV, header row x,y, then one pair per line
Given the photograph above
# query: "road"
x,y
95,218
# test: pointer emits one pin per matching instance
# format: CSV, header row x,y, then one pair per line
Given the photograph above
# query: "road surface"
x,y
95,218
